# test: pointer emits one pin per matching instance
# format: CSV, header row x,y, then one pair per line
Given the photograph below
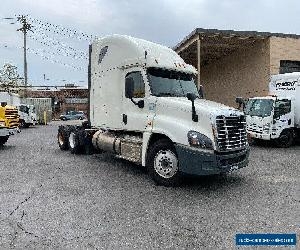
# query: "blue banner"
x,y
266,239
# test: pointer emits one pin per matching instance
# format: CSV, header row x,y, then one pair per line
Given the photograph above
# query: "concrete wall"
x,y
244,73
283,49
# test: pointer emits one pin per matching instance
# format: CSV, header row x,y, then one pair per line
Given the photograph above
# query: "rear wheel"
x,y
162,163
63,138
74,143
286,139
3,140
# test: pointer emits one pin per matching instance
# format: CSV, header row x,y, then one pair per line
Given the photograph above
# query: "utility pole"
x,y
25,27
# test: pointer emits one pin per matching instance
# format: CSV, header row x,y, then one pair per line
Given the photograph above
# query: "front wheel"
x,y
286,139
3,140
162,163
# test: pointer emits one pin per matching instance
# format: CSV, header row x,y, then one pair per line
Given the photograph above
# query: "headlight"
x,y
199,140
2,124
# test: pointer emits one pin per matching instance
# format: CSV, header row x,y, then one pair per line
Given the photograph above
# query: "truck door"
x,y
135,116
284,113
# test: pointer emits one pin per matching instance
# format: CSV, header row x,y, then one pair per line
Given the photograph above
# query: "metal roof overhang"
x,y
215,44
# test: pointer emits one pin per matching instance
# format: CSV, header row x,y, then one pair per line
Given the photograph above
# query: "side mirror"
x,y
129,87
201,92
240,101
191,96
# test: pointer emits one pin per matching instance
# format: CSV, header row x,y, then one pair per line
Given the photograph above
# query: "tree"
x,y
9,77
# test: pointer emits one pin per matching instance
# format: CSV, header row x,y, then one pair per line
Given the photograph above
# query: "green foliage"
x,y
9,77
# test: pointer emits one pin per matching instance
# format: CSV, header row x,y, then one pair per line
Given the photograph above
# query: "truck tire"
x,y
3,140
162,163
63,138
88,147
74,143
22,123
286,139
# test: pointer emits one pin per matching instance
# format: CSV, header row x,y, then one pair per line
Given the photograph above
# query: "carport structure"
x,y
236,63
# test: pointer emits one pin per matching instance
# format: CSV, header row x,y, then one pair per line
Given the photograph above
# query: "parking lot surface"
x,y
53,199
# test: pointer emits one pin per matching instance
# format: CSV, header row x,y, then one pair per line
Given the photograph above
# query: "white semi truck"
x,y
276,117
145,108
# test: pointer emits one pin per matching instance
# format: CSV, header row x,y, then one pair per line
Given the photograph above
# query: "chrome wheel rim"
x,y
72,140
60,139
166,164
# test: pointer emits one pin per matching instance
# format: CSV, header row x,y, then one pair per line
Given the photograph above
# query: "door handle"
x,y
125,119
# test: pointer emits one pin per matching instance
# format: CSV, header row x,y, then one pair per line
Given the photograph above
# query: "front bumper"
x,y
196,162
4,132
12,131
262,136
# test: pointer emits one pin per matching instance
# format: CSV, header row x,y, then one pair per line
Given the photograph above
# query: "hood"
x,y
203,106
174,117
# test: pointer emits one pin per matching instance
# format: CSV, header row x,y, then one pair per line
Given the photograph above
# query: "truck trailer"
x,y
144,107
276,117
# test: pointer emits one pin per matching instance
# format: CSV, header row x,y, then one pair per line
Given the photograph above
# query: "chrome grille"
x,y
254,128
11,114
231,132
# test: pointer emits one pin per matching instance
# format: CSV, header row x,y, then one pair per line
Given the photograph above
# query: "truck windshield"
x,y
171,83
259,107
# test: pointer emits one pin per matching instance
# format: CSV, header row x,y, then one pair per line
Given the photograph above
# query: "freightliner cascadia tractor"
x,y
145,108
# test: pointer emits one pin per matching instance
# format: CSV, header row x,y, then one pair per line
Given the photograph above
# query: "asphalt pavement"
x,y
51,199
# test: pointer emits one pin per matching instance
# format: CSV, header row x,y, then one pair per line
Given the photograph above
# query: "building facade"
x,y
63,99
239,63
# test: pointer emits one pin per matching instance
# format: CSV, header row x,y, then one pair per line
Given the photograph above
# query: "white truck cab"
x,y
277,116
27,115
145,108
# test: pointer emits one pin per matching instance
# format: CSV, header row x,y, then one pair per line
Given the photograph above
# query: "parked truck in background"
x,y
4,130
276,117
26,112
4,133
144,107
9,122
43,108
27,115
9,118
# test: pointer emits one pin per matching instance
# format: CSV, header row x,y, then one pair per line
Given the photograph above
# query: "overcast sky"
x,y
163,21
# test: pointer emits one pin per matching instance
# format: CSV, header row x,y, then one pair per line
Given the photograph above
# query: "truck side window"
x,y
102,54
282,107
139,85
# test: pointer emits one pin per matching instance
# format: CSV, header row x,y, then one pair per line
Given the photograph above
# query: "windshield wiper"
x,y
167,94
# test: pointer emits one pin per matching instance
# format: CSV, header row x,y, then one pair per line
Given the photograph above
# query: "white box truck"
x,y
145,108
42,109
276,117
